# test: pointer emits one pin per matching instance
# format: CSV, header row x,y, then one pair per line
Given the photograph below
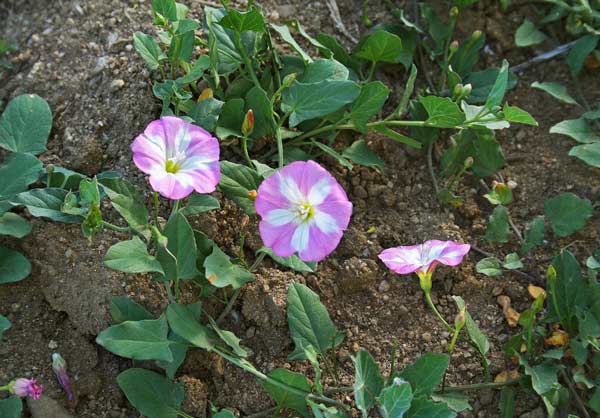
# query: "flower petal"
x,y
402,260
279,239
279,217
320,245
171,186
301,237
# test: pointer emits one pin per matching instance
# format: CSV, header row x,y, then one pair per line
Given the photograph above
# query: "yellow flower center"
x,y
172,166
305,211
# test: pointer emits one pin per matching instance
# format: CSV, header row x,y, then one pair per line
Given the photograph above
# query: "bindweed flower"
x,y
59,365
304,210
25,387
178,156
423,258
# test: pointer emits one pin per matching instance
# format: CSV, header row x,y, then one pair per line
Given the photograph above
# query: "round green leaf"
x,y
25,124
13,224
13,266
567,213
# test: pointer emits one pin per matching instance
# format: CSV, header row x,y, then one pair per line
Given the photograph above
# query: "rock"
x,y
357,275
384,286
426,336
46,408
117,84
52,345
82,153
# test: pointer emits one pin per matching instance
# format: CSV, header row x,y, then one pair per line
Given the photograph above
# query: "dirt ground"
x,y
79,56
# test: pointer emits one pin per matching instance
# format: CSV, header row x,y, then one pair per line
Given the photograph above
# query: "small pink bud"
x,y
454,46
248,124
59,365
252,194
25,387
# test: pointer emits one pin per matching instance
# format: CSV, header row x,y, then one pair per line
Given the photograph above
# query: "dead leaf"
x,y
559,338
535,291
505,376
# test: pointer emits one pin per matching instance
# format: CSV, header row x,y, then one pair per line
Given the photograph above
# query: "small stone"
x,y
117,84
15,307
426,336
52,345
403,310
384,286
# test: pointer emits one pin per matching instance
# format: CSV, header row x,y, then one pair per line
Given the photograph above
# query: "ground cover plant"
x,y
257,119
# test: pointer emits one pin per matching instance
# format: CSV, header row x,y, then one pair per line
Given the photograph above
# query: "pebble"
x,y
384,286
403,310
52,345
426,336
15,307
117,84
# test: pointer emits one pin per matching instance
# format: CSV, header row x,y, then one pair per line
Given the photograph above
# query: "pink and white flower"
x,y
304,210
179,157
423,258
26,387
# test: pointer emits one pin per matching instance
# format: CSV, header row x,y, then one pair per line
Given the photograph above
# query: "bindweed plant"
x,y
231,80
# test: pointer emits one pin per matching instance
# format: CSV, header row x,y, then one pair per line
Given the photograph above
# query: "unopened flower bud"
x,y
288,80
248,124
460,319
245,221
466,90
206,94
25,387
476,35
551,273
252,194
511,184
50,169
59,365
457,90
454,12
469,162
454,46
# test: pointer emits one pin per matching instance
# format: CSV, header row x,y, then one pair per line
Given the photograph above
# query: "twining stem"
x,y
247,60
115,227
4,388
155,197
436,312
453,341
245,149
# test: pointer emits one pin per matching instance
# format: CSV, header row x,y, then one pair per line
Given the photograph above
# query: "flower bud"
x,y
551,274
454,47
206,94
511,184
461,318
288,80
457,90
454,12
248,124
466,90
26,387
476,35
469,162
50,169
252,194
59,365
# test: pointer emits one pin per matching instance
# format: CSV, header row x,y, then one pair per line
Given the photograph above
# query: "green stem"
x,y
480,386
155,197
247,61
4,388
371,71
444,74
116,227
245,149
175,208
436,312
332,127
453,341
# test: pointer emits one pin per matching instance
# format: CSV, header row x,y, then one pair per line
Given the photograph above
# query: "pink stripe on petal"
x,y
279,239
453,253
169,186
320,245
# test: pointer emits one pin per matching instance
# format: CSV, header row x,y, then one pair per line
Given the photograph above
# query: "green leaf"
x,y
507,402
286,398
567,213
151,394
426,373
424,408
182,246
534,234
25,124
237,181
128,201
223,413
183,323
556,90
12,224
567,293
368,381
395,400
456,401
132,257
397,136
443,112
370,102
199,203
45,203
497,229
499,88
309,322
29,169
517,115
4,325
512,262
124,309
11,407
478,116
240,22
292,261
380,46
206,113
196,71
528,35
578,129
313,100
590,153
483,82
165,8
13,266
500,195
149,49
322,70
138,340
221,272
479,144
544,376
182,46
477,337
63,178
229,338
490,266
579,52
328,150
361,154
285,34
259,102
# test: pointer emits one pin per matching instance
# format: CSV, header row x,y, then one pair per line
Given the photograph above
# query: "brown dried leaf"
x,y
535,291
559,338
